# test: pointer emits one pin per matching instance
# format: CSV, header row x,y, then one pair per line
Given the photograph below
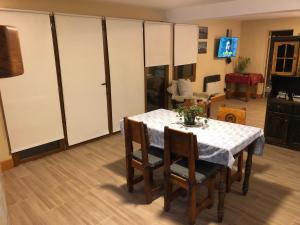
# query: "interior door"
x,y
80,44
285,58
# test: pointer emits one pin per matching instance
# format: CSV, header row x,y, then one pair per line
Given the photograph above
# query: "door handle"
x,y
103,84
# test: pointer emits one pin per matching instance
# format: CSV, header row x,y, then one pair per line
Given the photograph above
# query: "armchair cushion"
x,y
201,95
173,88
185,87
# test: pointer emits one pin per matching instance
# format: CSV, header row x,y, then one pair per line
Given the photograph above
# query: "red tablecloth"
x,y
249,79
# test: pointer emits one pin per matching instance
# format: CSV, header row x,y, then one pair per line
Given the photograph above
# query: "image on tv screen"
x,y
227,47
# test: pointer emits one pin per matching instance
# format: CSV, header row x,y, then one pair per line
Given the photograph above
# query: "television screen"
x,y
227,47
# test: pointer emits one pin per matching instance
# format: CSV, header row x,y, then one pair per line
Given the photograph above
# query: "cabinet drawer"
x,y
281,108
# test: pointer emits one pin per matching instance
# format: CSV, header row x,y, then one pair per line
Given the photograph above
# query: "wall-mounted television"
x,y
227,47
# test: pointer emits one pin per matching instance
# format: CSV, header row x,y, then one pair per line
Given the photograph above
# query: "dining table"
x,y
218,142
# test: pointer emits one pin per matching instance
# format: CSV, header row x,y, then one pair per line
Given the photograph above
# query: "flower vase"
x,y
189,120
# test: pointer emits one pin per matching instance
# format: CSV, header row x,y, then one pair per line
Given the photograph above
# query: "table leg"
x,y
222,191
228,89
247,92
248,169
255,91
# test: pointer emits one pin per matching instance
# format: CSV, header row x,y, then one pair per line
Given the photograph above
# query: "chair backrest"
x,y
136,132
203,104
232,115
183,145
188,102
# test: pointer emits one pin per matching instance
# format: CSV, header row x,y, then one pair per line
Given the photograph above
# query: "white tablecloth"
x,y
218,142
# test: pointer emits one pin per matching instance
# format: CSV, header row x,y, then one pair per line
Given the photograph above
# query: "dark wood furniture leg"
x,y
228,88
130,174
254,95
147,185
222,191
248,169
192,204
228,180
237,176
240,166
168,191
247,93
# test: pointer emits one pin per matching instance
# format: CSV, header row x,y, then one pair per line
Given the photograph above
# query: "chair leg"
x,y
240,166
221,195
147,185
129,175
192,205
211,192
228,180
151,178
167,195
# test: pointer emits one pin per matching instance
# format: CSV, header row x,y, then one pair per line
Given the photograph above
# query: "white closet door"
x,y
31,101
158,43
126,60
185,44
80,44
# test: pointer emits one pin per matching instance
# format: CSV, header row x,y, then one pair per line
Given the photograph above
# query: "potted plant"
x,y
242,64
189,113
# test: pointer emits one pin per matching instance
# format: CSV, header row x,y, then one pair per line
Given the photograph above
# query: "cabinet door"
x,y
276,128
285,58
294,133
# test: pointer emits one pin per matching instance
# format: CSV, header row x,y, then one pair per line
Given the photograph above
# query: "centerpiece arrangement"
x,y
190,112
242,64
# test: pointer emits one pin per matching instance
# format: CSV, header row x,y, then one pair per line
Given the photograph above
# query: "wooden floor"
x,y
86,185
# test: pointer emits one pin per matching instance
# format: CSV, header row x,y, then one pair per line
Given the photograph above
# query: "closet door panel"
x,y
126,60
80,44
31,101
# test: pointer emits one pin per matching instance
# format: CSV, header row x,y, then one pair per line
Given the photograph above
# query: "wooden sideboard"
x,y
282,124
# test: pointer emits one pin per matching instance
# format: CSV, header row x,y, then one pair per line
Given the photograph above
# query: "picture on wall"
x,y
203,32
202,47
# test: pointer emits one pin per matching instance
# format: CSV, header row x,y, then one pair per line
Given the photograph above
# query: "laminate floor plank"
x,y
86,185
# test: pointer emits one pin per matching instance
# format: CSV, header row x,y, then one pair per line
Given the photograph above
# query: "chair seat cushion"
x,y
204,170
155,156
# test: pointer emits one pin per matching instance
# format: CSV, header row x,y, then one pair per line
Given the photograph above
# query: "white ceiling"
x,y
239,9
164,4
192,10
290,14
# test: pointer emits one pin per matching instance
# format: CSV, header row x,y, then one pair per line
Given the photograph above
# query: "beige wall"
x,y
76,7
207,64
86,8
254,40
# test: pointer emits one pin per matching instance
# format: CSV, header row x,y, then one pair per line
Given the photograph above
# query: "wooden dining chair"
x,y
204,104
146,159
233,115
187,172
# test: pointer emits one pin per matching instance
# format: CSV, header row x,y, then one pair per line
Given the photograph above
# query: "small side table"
x,y
248,80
